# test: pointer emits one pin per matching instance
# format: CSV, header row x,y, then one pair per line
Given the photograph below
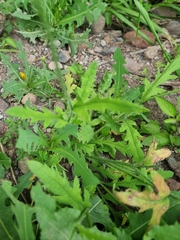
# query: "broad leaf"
x,y
29,141
59,186
153,155
148,199
167,107
54,224
7,226
85,134
165,232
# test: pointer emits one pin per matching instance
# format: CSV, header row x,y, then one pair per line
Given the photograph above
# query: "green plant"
x,y
63,17
169,132
81,135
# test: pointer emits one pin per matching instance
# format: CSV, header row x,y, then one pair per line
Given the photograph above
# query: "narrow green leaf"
x,y
132,137
167,107
48,117
23,214
88,79
153,89
101,104
120,70
59,186
24,182
7,226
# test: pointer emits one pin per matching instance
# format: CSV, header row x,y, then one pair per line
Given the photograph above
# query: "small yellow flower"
x,y
22,75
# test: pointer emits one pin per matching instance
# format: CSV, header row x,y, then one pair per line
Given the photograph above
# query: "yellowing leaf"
x,y
69,83
154,156
149,199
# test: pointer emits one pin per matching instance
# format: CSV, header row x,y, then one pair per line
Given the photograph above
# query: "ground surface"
x,y
140,62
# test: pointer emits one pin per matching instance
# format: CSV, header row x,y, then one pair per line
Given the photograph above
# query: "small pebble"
x,y
57,43
103,43
52,65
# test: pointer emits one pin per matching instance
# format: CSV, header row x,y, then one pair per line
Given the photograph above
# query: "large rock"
x,y
98,26
138,41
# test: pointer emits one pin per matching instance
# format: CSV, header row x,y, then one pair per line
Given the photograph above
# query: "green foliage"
x,y
78,179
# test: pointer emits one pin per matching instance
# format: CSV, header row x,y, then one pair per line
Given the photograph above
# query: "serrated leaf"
x,y
23,214
80,10
47,116
32,35
19,14
101,104
106,82
148,199
110,122
153,89
85,134
87,82
80,166
120,70
60,186
28,140
165,232
64,133
69,83
110,146
54,224
132,137
167,107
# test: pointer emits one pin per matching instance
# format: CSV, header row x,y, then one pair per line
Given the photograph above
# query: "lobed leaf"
x,y
48,117
120,70
148,199
80,166
60,186
132,137
101,104
87,82
54,224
